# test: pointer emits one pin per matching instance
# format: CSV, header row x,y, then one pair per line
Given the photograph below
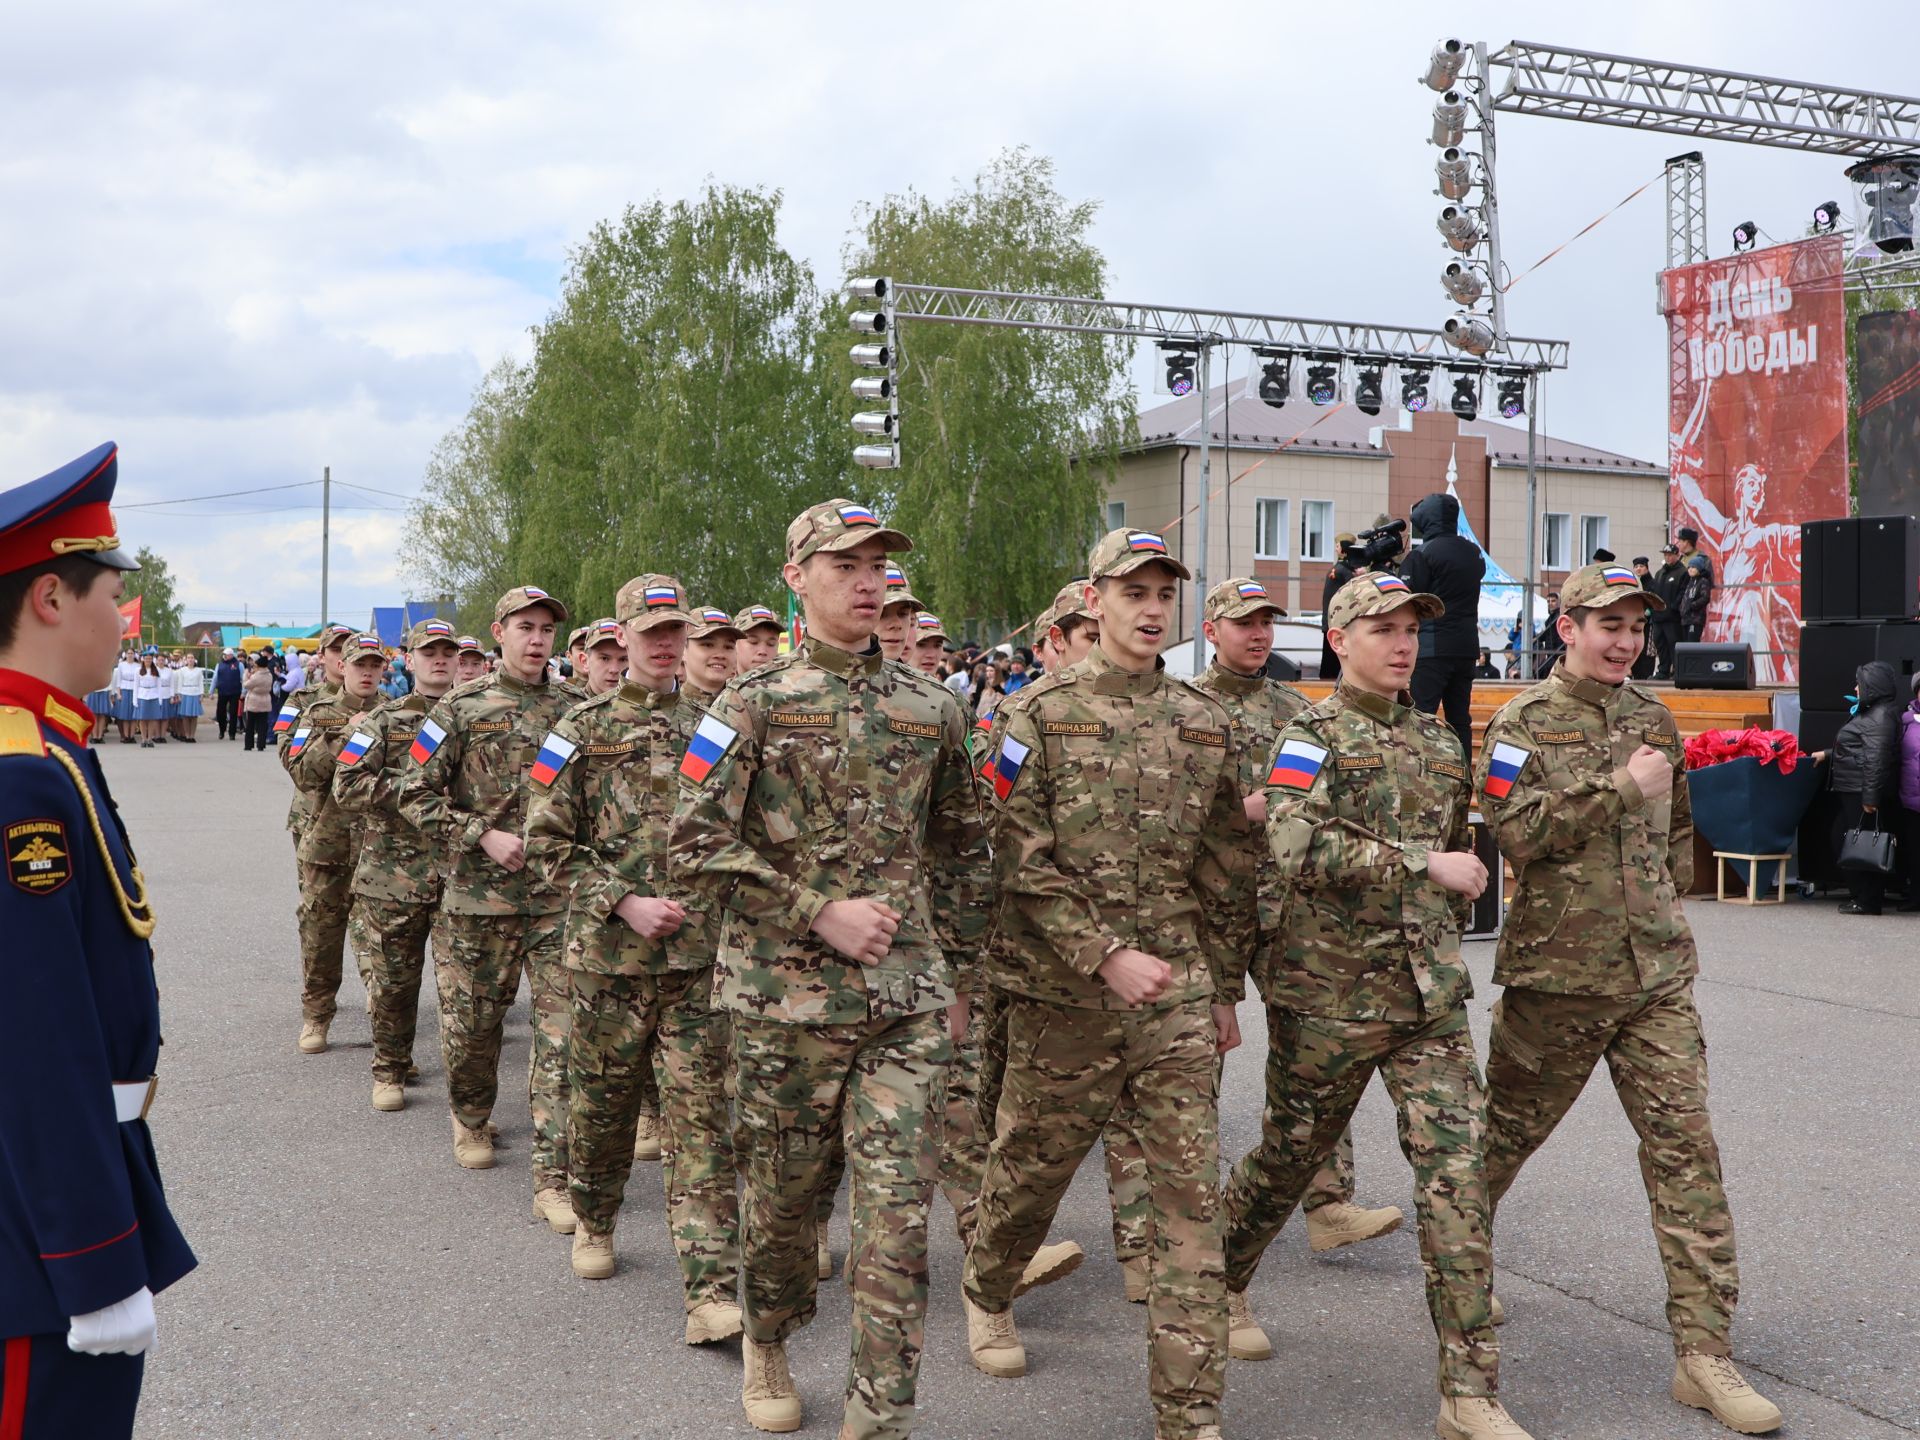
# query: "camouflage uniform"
x,y
1118,822
823,776
1598,961
396,885
597,831
326,846
468,773
1360,789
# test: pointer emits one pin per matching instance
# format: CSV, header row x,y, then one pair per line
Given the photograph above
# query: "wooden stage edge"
x,y
1695,711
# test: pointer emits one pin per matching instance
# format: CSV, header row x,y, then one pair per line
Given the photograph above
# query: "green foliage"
x,y
159,609
1883,295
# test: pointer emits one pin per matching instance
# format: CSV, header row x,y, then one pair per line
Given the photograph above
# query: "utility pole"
x,y
326,533
1200,521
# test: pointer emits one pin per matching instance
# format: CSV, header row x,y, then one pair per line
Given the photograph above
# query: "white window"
x,y
1593,536
1269,529
1556,542
1116,514
1316,530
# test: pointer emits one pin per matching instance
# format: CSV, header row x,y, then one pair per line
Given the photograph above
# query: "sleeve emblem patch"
x,y
39,860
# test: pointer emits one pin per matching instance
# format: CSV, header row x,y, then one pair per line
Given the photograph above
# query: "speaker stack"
x,y
1859,595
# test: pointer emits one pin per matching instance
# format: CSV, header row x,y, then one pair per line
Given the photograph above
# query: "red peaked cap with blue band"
x,y
64,513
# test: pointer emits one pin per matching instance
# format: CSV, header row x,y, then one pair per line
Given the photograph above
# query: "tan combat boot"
x,y
994,1341
767,1393
1203,1432
1714,1383
313,1037
413,1073
388,1095
553,1206
646,1138
824,1255
1476,1417
1134,1275
712,1320
592,1254
1049,1263
1245,1339
1496,1312
1332,1226
472,1148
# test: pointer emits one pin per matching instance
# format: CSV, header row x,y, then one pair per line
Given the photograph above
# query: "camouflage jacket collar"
x,y
1219,677
416,703
1379,707
505,679
632,692
1594,692
698,695
1109,679
844,663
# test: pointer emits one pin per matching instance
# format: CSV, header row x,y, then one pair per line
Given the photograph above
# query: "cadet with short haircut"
x,y
1118,827
396,884
605,649
709,663
930,643
466,789
328,842
471,663
1580,777
895,628
829,813
759,641
325,682
640,962
1367,805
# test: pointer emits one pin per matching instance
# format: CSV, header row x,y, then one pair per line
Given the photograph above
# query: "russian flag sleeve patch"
x,y
1007,765
1297,764
711,744
426,742
357,745
1504,767
555,751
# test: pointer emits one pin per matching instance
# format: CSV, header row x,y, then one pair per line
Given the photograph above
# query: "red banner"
x,y
1758,430
130,617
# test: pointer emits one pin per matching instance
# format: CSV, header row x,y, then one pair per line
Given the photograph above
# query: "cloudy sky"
x,y
247,244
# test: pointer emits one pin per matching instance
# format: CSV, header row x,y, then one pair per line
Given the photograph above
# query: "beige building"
x,y
1300,475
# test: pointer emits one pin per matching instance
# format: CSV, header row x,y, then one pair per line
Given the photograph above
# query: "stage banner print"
x,y
130,617
1886,347
1758,426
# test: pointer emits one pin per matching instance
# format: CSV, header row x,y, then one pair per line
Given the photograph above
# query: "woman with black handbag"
x,y
1864,776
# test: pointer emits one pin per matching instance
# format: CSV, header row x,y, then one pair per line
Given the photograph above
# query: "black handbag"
x,y
1867,852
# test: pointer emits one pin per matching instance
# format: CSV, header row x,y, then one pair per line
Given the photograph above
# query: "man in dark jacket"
x,y
227,678
1449,565
1667,583
1865,772
1696,594
1338,574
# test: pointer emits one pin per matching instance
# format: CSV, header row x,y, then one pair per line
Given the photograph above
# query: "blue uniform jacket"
x,y
83,1220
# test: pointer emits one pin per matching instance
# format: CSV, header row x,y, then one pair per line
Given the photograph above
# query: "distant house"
x,y
392,622
205,632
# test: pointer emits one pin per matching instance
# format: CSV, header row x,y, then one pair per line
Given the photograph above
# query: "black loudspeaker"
x,y
1698,666
1889,567
1490,909
1830,654
1829,570
1818,727
1814,850
1279,667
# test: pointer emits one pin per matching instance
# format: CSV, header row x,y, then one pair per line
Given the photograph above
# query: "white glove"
x,y
123,1328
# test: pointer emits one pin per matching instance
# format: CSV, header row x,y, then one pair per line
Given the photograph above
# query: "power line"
x,y
221,495
391,494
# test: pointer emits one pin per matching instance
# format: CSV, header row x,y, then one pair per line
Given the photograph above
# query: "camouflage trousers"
x,y
326,898
1067,1072
623,1027
868,1084
1544,1048
1317,1068
390,939
477,960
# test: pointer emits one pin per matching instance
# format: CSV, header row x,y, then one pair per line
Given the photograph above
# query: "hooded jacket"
x,y
1866,752
1449,565
1910,757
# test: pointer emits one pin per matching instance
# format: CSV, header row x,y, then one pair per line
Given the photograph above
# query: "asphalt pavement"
x,y
354,1282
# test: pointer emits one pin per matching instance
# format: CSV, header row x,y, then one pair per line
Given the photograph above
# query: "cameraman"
x,y
1341,571
1449,565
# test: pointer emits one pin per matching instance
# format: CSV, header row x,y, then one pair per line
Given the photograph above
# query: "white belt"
x,y
132,1100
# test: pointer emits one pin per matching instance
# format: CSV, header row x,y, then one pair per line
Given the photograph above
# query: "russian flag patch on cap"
x,y
1504,768
1142,540
357,745
437,627
1386,583
711,744
659,595
857,515
1619,575
1252,590
555,751
1296,765
761,612
426,742
896,578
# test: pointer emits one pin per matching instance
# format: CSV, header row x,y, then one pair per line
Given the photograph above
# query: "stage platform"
x,y
1695,711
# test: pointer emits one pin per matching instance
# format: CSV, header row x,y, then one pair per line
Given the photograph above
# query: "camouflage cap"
x,y
363,645
927,626
1594,587
603,630
1122,552
899,592
425,632
1070,603
1376,593
1238,598
470,642
709,620
525,597
329,638
651,600
838,525
754,616
575,637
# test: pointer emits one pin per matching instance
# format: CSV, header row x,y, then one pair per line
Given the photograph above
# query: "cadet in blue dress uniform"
x,y
86,1240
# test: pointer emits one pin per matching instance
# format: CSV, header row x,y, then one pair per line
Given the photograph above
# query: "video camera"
x,y
1376,548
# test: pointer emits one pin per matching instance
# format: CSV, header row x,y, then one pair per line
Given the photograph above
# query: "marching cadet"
x,y
1238,621
466,790
1579,775
329,841
396,884
759,640
1367,804
895,628
577,654
1119,827
709,663
605,656
471,662
86,1239
930,643
828,814
326,682
639,962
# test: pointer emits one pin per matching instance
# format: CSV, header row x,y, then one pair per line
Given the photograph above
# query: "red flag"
x,y
130,617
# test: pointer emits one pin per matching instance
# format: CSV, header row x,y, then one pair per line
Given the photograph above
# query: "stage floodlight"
x,y
1826,216
1744,235
1459,226
873,387
874,357
1449,120
875,422
1454,176
1414,380
877,457
1369,380
1466,394
1444,68
1180,372
1462,284
1323,379
873,322
1884,192
1469,333
1512,394
882,424
1276,379
868,287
